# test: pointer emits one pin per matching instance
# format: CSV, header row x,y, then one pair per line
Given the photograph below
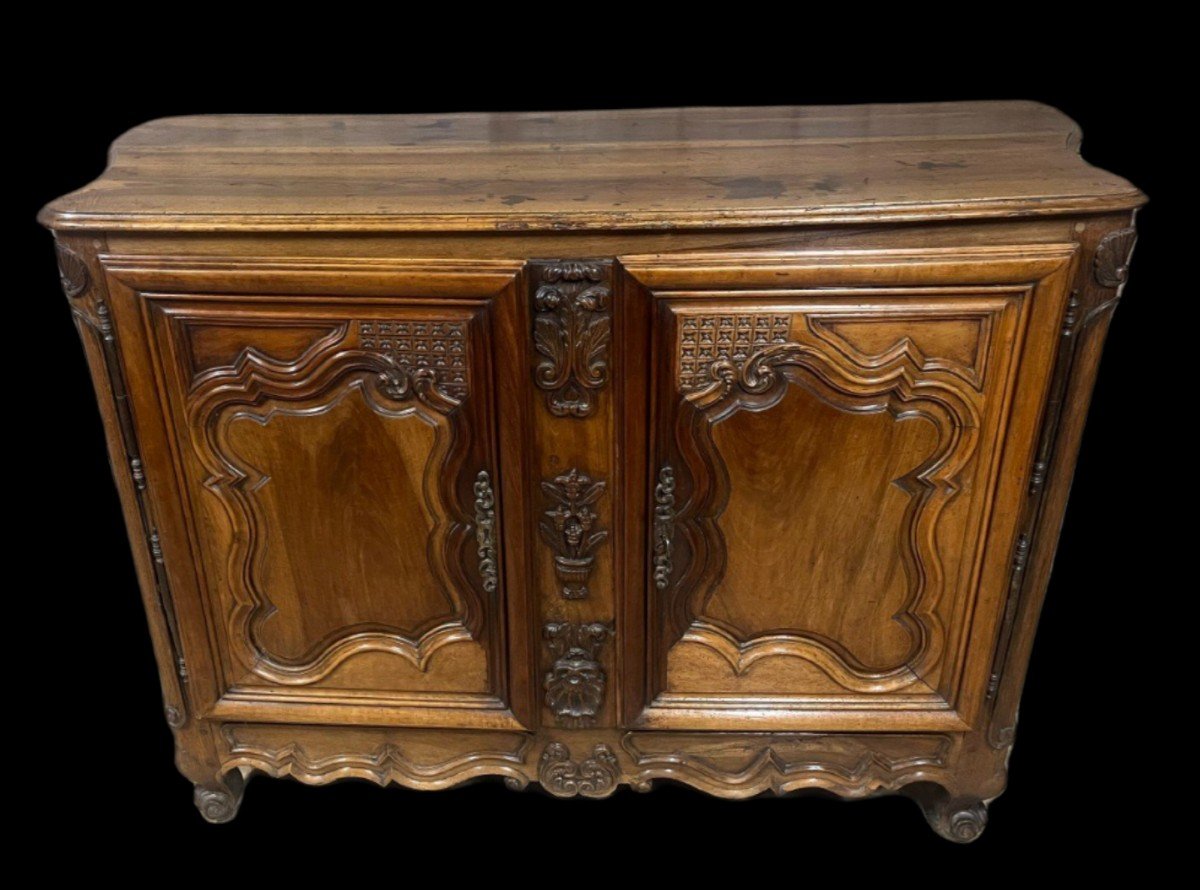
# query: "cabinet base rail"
x,y
952,776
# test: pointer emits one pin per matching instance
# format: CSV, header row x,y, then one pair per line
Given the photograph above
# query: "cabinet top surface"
x,y
639,169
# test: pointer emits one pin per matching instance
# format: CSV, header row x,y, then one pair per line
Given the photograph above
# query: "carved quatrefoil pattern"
x,y
436,347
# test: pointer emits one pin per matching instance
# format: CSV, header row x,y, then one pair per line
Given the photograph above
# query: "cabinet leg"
x,y
957,819
218,801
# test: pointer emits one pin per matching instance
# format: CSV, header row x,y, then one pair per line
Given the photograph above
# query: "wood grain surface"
x,y
644,169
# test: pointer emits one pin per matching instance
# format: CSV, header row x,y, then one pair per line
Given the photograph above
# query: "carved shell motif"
x,y
1112,257
72,271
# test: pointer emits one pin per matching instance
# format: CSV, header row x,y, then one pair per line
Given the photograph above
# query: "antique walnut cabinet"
x,y
721,445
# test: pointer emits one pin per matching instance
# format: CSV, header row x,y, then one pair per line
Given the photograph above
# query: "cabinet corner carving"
x,y
72,271
1112,257
575,682
595,776
572,329
569,528
76,281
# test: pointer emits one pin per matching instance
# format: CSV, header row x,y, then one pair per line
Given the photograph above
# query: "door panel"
x,y
832,522
327,495
338,466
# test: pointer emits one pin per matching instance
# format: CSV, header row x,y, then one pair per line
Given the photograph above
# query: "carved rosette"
x,y
664,526
575,682
595,776
485,530
569,529
1112,257
572,329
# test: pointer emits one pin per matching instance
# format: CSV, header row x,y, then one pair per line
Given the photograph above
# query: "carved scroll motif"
x,y
569,529
572,329
575,682
712,346
595,776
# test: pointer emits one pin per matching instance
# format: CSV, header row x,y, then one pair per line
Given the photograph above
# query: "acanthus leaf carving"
x,y
595,776
572,329
575,682
569,528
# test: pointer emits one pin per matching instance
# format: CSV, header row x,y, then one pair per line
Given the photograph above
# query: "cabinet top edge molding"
x,y
594,170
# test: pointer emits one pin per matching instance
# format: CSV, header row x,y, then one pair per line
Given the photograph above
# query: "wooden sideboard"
x,y
728,446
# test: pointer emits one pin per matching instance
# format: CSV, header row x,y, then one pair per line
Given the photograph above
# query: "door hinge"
x,y
1019,560
138,472
163,588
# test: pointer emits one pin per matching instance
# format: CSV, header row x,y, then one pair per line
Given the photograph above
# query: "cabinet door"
x,y
840,447
336,456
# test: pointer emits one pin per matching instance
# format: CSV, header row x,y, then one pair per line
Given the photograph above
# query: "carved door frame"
x,y
1038,272
483,293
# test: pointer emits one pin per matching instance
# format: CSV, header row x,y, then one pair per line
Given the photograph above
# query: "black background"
x,y
103,752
